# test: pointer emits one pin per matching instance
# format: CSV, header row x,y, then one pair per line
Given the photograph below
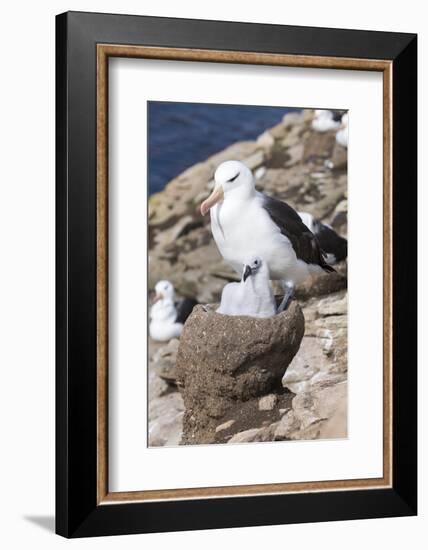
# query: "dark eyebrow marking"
x,y
234,178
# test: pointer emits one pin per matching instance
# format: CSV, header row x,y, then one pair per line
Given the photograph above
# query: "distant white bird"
x,y
342,134
247,223
253,296
325,120
166,317
333,245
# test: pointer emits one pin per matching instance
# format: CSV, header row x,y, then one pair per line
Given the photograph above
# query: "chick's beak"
x,y
247,272
216,196
158,297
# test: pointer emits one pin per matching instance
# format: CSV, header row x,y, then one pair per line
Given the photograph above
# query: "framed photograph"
x,y
236,274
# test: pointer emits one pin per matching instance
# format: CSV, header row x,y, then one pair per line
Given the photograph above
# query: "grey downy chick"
x,y
253,295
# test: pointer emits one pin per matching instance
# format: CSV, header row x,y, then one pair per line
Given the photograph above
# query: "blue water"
x,y
182,134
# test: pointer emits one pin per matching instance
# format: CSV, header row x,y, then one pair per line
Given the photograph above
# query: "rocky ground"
x,y
309,171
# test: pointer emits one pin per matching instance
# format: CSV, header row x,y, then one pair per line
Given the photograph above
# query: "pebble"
x,y
225,426
268,402
244,437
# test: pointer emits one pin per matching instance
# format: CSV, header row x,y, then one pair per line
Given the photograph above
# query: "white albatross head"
x,y
232,179
164,291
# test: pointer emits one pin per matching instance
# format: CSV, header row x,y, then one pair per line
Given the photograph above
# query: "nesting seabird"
x,y
167,316
252,296
333,245
326,120
247,223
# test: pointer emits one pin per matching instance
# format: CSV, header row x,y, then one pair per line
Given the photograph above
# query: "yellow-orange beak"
x,y
216,196
158,297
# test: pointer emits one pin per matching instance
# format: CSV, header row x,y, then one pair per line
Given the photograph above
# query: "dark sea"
x,y
182,134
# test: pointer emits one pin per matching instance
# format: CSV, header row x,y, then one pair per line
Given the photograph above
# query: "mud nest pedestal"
x,y
225,361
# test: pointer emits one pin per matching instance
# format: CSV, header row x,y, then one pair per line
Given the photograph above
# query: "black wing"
x,y
331,242
303,241
184,309
337,115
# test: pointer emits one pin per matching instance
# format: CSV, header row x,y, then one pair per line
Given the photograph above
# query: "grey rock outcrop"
x,y
318,374
224,362
164,361
166,416
166,408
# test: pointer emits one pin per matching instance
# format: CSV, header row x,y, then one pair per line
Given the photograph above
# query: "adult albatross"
x,y
167,316
246,223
